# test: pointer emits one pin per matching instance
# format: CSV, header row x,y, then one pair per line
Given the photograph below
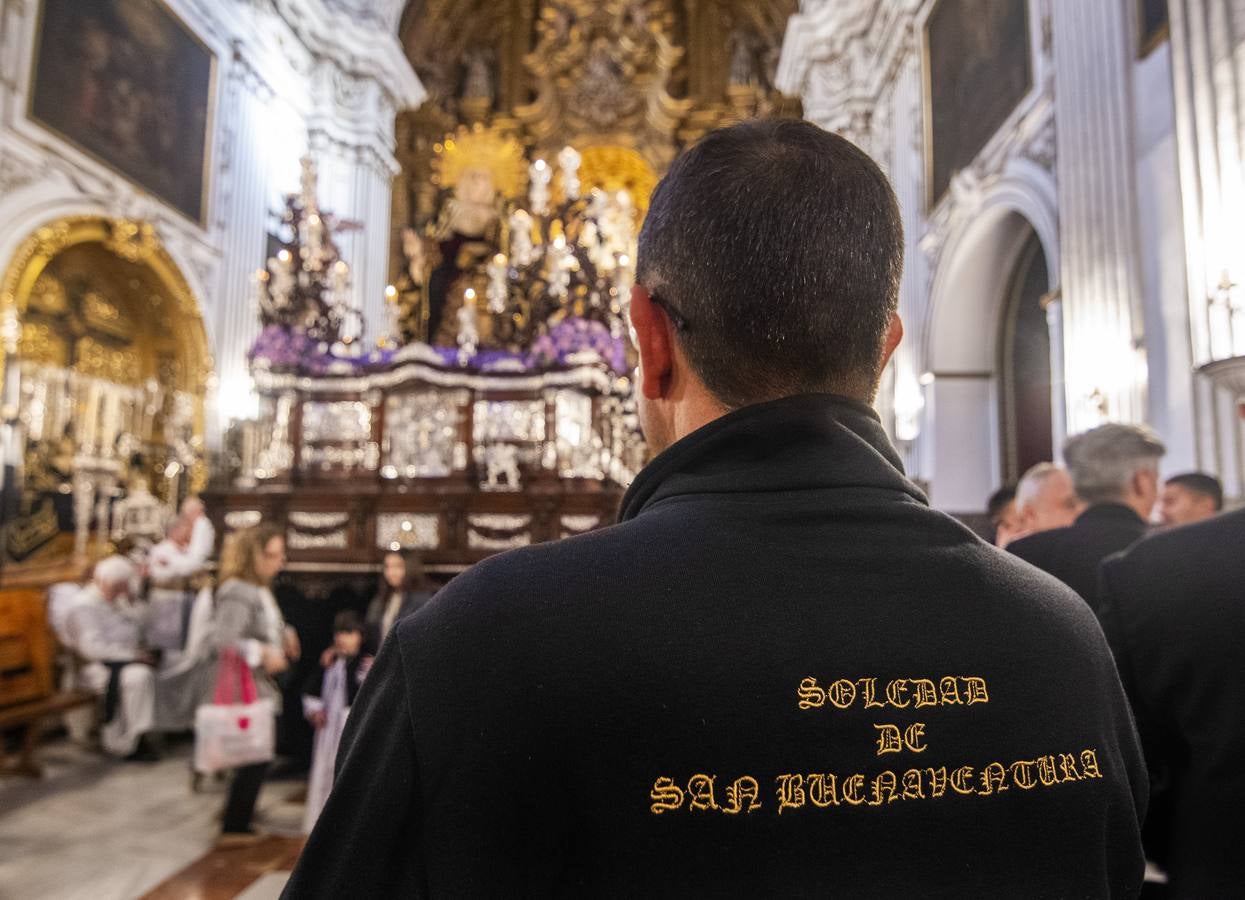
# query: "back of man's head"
x,y
1105,460
1203,485
777,249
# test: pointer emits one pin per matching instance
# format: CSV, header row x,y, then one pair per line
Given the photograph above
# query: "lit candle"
x,y
540,176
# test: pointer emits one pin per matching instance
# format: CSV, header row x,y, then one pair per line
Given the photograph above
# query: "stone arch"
x,y
985,239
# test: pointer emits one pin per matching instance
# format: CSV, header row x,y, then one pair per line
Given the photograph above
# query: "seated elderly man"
x,y
105,631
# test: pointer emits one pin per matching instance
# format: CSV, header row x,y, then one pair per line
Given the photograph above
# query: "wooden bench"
x,y
27,695
29,717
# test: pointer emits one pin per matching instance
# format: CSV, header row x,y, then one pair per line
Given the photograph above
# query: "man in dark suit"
x,y
1115,471
1173,608
781,673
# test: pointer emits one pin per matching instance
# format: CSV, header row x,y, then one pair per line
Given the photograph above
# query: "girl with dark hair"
x,y
403,589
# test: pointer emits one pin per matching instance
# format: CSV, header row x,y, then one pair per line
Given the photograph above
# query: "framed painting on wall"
x,y
128,83
978,68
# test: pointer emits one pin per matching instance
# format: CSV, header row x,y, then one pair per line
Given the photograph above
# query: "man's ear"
x,y
894,334
654,339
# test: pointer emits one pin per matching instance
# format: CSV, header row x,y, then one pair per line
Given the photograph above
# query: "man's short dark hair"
x,y
777,249
1201,483
998,502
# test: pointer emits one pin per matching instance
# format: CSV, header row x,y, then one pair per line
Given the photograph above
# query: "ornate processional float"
x,y
495,409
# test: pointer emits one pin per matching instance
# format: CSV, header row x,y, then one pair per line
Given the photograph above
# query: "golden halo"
x,y
612,168
478,147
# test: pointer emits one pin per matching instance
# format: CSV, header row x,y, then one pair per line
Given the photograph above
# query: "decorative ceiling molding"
x,y
366,48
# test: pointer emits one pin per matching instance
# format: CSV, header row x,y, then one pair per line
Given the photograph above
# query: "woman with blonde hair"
x,y
248,621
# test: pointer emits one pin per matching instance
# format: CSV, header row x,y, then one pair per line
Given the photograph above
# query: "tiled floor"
x,y
98,829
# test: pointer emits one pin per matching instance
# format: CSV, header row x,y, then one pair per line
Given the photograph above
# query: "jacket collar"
x,y
1111,512
806,442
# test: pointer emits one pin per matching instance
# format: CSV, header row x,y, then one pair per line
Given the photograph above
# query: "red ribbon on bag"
x,y
234,683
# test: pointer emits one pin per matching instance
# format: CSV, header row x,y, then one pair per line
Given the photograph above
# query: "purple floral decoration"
x,y
575,335
280,349
291,350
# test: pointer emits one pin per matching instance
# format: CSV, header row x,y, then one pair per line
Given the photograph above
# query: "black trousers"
x,y
243,792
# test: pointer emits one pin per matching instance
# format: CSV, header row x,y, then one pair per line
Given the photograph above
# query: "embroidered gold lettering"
x,y
811,695
1022,774
975,689
993,779
926,693
912,785
851,788
666,796
1067,765
741,790
1046,771
868,689
842,693
896,690
890,739
961,780
1089,764
821,790
790,792
914,737
948,691
700,792
885,787
937,781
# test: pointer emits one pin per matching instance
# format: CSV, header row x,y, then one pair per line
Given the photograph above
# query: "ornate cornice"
x,y
361,48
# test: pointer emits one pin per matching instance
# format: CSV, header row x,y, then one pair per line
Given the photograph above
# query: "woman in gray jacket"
x,y
248,621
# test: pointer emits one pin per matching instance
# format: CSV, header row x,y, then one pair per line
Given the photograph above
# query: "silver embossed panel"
x,y
337,421
416,531
421,434
508,420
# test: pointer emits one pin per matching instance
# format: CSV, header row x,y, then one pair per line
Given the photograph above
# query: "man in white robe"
x,y
105,630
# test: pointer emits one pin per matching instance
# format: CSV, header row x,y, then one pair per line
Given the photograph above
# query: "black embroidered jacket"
x,y
780,674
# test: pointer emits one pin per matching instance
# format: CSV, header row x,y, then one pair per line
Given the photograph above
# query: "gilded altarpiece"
x,y
104,385
628,83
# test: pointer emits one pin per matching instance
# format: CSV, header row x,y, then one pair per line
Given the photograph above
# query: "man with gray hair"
x,y
1115,472
1046,499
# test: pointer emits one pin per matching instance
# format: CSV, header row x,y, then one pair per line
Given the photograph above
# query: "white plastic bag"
x,y
237,728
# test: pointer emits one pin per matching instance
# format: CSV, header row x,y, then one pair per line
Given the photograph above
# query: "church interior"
x,y
360,270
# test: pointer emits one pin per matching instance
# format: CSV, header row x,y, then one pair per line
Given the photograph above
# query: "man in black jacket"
x,y
1115,471
1173,613
781,673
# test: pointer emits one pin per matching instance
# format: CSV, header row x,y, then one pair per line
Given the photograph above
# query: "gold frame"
x,y
1147,45
927,100
134,242
209,127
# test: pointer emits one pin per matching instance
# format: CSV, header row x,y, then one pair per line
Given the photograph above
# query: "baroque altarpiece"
x,y
495,409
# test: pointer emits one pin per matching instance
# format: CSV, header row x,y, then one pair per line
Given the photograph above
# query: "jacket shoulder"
x,y
1036,546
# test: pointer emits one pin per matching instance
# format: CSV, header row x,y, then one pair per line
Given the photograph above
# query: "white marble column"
x,y
908,178
1208,74
1100,273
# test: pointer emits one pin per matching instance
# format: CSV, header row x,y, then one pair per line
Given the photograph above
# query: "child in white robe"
x,y
326,703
